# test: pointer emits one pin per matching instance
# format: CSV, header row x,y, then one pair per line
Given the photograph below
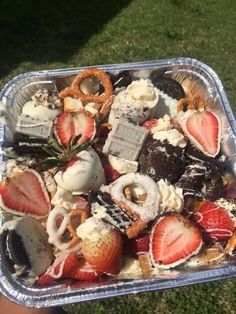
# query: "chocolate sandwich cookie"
x,y
120,80
123,79
24,144
161,160
168,86
26,246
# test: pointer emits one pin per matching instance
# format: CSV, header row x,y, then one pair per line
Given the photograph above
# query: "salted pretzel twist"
x,y
190,103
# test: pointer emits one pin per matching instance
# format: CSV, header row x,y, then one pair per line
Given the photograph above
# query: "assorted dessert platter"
x,y
116,175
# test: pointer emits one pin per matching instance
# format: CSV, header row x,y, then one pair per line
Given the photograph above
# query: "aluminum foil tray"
x,y
187,71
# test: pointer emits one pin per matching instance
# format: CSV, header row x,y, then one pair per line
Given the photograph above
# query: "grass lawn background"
x,y
36,35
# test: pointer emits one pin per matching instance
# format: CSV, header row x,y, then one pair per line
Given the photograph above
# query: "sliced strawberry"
x,y
149,124
110,173
84,271
105,253
69,125
85,125
45,279
24,192
203,129
71,262
214,221
173,240
62,267
64,128
140,244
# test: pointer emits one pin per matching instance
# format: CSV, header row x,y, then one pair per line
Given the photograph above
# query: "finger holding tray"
x,y
115,179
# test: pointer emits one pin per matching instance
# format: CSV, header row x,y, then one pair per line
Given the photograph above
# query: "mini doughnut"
x,y
145,212
102,76
56,232
191,103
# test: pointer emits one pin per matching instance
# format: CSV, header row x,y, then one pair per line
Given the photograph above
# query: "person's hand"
x,y
6,306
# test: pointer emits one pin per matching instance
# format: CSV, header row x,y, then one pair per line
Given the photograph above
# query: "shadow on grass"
x,y
49,31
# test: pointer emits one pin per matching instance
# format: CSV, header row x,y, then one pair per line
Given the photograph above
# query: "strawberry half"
x,y
105,253
24,192
173,240
63,267
140,244
204,131
69,125
214,221
149,124
110,173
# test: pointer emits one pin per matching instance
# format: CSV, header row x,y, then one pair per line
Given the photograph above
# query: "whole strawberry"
x,y
215,223
102,246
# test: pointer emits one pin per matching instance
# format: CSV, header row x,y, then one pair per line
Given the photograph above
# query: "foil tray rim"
x,y
31,297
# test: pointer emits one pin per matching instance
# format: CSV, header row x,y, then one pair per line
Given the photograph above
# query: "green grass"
x,y
39,35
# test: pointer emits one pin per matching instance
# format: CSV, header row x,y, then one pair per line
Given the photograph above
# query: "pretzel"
x,y
69,92
231,245
75,91
83,216
139,199
56,232
104,79
191,103
102,103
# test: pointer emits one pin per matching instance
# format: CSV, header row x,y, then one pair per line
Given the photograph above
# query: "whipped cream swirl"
x,y
171,197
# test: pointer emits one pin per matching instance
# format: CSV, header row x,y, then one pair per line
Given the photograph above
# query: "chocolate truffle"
x,y
161,160
201,180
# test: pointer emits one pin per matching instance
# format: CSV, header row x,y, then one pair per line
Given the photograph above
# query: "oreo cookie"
x,y
16,249
25,144
123,79
168,86
26,246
